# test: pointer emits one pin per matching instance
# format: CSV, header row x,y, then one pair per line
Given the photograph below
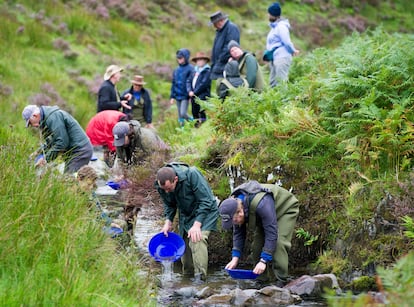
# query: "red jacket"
x,y
99,128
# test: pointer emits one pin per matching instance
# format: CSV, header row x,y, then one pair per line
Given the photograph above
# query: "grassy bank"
x,y
53,250
342,130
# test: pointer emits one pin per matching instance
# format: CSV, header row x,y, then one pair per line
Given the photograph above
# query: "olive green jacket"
x,y
250,68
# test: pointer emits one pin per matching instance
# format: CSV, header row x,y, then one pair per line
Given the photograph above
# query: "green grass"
x,y
53,251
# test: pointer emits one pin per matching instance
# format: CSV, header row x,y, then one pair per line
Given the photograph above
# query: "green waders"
x,y
195,258
287,210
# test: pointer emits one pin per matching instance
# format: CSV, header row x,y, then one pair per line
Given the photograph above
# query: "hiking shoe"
x,y
197,124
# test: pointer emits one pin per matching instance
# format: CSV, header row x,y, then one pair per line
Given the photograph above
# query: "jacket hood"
x,y
232,69
181,170
282,21
185,53
47,111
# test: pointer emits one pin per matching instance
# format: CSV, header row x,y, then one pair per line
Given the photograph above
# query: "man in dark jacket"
x,y
184,188
140,102
269,212
62,135
225,32
108,95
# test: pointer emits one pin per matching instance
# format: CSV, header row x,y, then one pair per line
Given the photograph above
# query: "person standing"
x,y
248,66
62,135
140,102
268,212
279,44
184,189
108,95
225,32
199,86
99,132
179,92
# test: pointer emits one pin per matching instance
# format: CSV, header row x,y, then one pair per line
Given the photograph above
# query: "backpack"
x,y
284,200
230,86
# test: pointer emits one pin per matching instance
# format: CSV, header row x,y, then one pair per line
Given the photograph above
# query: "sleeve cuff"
x,y
266,256
235,253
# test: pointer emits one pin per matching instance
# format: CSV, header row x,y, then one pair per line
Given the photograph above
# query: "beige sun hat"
x,y
112,70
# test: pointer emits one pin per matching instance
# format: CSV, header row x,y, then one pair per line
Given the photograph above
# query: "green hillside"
x,y
340,133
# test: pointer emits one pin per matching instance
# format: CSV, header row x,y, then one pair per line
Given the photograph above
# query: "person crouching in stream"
x,y
269,212
134,143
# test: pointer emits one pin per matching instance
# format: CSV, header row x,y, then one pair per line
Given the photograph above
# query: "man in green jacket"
x,y
184,188
62,135
269,212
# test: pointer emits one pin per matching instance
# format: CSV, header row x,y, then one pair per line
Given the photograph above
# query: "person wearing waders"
x,y
269,213
184,189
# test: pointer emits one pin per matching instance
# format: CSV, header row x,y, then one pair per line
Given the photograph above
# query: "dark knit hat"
x,y
232,44
275,9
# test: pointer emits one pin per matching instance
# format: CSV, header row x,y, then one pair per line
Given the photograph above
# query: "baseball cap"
x,y
28,111
119,131
227,209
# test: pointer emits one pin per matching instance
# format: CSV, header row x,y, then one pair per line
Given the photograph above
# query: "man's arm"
x,y
266,211
251,69
233,33
58,140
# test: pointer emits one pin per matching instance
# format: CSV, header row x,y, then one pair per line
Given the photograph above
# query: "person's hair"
x,y
165,173
87,172
125,118
273,18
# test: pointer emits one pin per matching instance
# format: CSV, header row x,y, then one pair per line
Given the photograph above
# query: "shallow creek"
x,y
176,290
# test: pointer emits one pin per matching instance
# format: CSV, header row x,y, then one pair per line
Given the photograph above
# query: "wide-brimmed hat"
x,y
200,55
138,80
217,16
111,70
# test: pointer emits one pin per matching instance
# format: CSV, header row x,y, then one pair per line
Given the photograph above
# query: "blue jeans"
x,y
182,107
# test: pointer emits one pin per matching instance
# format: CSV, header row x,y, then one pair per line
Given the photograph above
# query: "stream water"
x,y
176,290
